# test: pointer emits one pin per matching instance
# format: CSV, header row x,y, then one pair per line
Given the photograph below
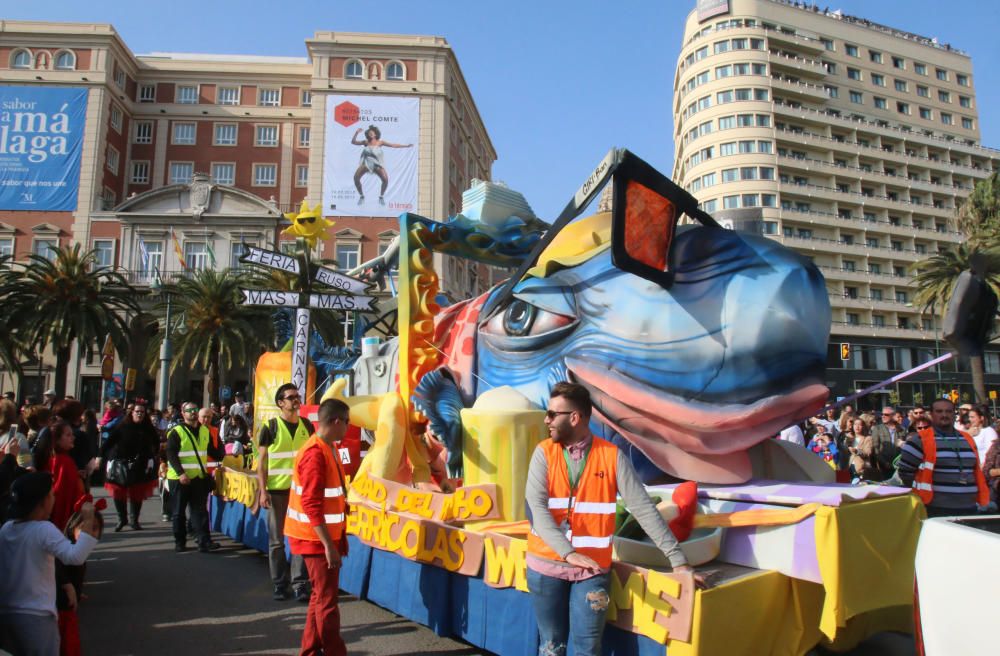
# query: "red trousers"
x,y
322,631
69,633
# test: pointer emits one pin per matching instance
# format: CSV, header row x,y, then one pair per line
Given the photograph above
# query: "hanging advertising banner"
x,y
41,140
370,155
709,8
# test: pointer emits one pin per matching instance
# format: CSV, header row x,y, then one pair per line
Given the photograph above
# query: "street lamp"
x,y
166,348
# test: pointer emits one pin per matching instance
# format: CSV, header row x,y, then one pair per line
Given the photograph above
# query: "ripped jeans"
x,y
569,610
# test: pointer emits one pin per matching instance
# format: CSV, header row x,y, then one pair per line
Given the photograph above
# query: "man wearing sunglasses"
x,y
188,448
574,480
277,443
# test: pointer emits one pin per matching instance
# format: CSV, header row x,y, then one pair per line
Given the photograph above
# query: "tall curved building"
x,y
852,143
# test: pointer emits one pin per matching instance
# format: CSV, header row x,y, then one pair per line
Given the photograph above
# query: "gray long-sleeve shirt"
x,y
630,489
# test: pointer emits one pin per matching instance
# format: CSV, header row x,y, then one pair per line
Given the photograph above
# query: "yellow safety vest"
x,y
191,449
281,454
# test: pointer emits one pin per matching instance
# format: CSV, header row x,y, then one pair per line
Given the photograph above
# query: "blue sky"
x,y
557,82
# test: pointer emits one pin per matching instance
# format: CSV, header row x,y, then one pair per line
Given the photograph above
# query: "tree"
x,y
54,303
935,280
11,350
214,330
979,214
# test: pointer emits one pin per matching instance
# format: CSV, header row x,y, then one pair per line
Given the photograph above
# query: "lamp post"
x,y
166,348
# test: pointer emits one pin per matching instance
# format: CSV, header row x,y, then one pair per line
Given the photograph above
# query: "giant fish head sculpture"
x,y
685,379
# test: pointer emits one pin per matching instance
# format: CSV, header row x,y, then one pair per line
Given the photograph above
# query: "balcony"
x,y
800,65
809,91
841,328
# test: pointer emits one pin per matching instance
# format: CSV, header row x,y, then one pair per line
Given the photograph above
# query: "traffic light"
x,y
845,351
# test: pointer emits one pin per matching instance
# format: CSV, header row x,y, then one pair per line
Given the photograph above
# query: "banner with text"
x,y
41,140
371,155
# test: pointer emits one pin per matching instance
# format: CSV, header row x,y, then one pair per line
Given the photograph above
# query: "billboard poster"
x,y
709,8
370,155
41,140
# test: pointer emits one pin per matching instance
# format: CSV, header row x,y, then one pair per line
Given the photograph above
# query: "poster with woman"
x,y
370,156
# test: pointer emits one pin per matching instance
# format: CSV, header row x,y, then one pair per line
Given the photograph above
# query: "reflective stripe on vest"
x,y
297,524
191,448
923,480
281,454
588,517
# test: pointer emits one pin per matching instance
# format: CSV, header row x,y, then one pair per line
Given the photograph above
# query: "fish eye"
x,y
523,319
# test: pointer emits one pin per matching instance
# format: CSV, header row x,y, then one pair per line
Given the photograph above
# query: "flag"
x,y
144,254
211,254
178,249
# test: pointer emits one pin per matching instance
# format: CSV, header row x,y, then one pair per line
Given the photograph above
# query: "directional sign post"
x,y
349,299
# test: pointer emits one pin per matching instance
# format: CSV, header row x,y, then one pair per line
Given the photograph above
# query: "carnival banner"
x,y
41,140
370,156
468,503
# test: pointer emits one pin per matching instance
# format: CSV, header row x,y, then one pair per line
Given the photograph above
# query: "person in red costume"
x,y
52,455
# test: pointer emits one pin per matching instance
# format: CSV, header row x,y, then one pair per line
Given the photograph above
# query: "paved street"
x,y
146,600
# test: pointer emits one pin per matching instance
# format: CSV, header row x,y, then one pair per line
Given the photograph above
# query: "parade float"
x,y
698,344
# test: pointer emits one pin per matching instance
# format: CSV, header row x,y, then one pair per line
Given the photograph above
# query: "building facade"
x,y
258,128
852,143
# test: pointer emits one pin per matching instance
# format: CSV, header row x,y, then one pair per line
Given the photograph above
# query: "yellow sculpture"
x,y
308,223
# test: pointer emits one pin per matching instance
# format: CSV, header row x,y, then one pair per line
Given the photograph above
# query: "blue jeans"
x,y
569,610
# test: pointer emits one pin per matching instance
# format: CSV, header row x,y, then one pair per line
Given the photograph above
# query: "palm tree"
x,y
979,214
214,330
54,303
11,350
935,279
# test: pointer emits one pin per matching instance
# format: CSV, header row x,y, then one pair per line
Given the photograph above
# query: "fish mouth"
x,y
692,439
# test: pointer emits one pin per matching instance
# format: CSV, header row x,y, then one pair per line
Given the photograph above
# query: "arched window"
x,y
354,69
394,71
65,61
20,59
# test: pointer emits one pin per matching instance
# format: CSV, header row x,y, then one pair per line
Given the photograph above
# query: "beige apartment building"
x,y
260,128
850,142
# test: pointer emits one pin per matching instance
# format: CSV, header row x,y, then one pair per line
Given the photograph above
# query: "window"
x,y
804,233
181,172
147,93
104,250
768,200
394,71
709,205
920,69
760,94
759,69
111,160
947,119
304,132
853,319
225,134
827,43
265,175
848,265
236,250
7,246
967,123
726,122
184,134
266,135
764,147
871,242
187,95
354,69
728,148
720,47
307,98
900,85
143,132
196,255
857,97
875,56
744,120
941,74
116,119
65,61
724,97
854,74
748,173
45,247
750,200
830,67
852,51
723,71
224,173
228,96
850,292
756,44
140,173
944,96
766,173
903,108
119,78
927,114
963,80
878,80
269,97
923,91
701,53
763,121
875,268
902,297
730,202
898,62
747,146
897,245
741,69
348,255
880,103
965,101
878,320
730,175
740,44
301,175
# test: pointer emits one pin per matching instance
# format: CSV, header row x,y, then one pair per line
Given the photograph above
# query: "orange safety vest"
x,y
923,482
211,464
297,524
590,513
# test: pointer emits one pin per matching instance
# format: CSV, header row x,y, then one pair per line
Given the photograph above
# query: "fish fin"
x,y
438,398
